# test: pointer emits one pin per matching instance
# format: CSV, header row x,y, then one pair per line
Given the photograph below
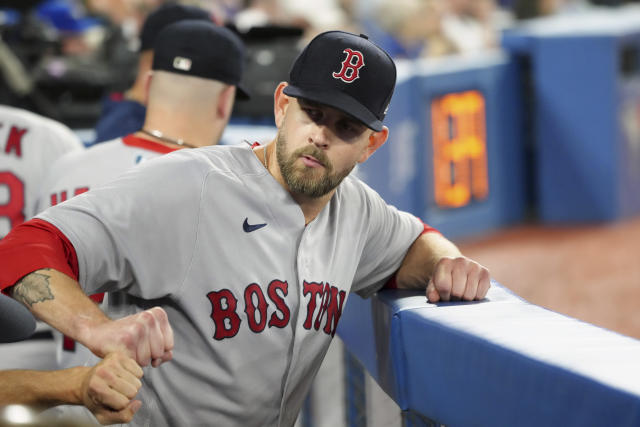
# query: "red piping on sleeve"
x,y
34,245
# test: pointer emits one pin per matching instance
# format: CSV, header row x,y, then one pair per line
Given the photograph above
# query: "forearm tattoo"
x,y
33,288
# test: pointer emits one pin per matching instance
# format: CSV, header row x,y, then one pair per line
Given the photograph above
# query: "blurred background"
x,y
515,126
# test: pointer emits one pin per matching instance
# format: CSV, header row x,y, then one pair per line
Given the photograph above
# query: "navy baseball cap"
x,y
16,322
165,15
201,49
347,72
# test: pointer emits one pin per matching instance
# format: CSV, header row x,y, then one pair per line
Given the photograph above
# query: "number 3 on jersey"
x,y
11,207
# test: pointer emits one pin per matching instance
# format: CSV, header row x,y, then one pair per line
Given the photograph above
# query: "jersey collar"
x,y
147,144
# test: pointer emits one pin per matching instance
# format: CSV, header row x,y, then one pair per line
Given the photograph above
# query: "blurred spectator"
x,y
123,114
412,28
321,16
129,14
473,25
259,13
528,9
79,34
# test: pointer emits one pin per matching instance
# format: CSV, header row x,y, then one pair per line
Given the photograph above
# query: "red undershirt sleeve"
x,y
391,283
34,245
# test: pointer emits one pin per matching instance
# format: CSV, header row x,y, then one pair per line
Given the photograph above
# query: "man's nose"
x,y
320,136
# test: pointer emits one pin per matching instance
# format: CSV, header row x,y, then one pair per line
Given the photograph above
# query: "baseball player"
x,y
250,253
124,113
29,143
187,107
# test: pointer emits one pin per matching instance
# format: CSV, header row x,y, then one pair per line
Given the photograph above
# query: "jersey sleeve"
x,y
390,233
137,232
32,246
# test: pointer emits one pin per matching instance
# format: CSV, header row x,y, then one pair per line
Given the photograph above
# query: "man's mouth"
x,y
311,161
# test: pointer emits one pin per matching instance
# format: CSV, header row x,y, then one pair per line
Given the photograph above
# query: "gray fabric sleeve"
x,y
390,234
137,232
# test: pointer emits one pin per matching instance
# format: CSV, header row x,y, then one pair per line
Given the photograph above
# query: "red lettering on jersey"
x,y
332,308
221,315
350,70
63,195
281,305
14,142
315,289
54,198
14,208
250,308
80,190
68,344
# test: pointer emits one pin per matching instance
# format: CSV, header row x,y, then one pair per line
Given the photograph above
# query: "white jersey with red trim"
x,y
75,174
253,295
29,144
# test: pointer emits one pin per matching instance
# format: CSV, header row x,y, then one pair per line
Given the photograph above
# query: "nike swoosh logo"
x,y
248,228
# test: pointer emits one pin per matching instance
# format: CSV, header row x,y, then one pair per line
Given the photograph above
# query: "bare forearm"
x,y
421,259
43,389
58,300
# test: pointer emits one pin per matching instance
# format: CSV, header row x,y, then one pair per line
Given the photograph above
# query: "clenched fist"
x,y
458,278
109,388
146,337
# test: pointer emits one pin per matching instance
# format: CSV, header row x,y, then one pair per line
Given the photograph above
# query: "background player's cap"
x,y
16,323
201,49
166,15
347,72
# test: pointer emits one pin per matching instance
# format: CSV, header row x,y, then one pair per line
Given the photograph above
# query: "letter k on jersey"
x,y
350,70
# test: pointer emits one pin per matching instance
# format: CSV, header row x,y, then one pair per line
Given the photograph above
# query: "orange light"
x,y
459,149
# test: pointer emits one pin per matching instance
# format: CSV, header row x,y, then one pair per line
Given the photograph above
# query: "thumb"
x,y
133,406
432,293
131,409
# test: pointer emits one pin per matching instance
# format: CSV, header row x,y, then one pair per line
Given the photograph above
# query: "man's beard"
x,y
306,181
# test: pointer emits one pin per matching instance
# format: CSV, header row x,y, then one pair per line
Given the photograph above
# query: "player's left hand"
x,y
110,387
456,279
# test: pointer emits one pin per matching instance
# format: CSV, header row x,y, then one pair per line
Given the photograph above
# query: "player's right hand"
x,y
146,337
109,388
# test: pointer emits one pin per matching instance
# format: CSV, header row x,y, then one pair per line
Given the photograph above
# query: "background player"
x,y
189,105
123,114
29,144
253,330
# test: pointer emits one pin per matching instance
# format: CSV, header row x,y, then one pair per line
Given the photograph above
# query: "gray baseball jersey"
x,y
76,173
29,144
253,295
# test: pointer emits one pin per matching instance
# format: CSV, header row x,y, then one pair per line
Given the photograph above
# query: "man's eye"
x,y
349,128
313,114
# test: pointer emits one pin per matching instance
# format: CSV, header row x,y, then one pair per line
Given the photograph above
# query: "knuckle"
x,y
160,314
445,262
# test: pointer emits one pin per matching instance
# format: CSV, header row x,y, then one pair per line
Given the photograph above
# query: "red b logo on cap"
x,y
350,68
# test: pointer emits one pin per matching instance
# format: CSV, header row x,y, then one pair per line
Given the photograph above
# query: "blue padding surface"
x,y
500,362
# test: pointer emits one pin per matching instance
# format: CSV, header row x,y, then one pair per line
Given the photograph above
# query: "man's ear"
x,y
376,139
147,87
280,104
225,102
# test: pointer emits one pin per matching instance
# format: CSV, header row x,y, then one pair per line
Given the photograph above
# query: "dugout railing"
x,y
498,362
